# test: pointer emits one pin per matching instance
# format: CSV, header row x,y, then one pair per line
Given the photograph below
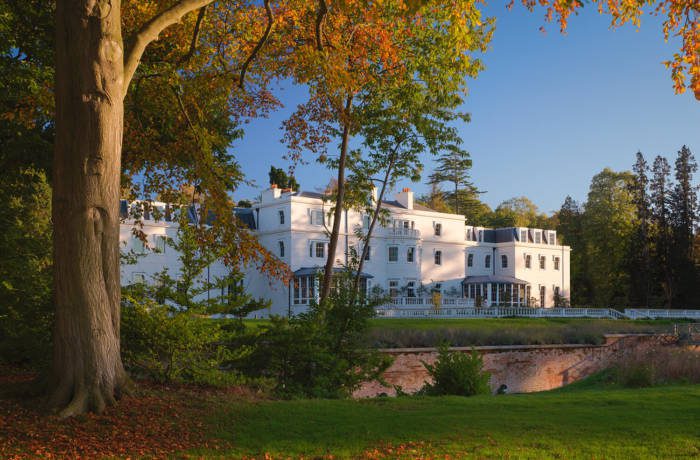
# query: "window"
x,y
410,254
393,253
317,217
481,235
393,288
438,257
138,278
281,245
504,261
437,287
369,251
139,246
469,234
470,260
304,289
487,261
543,262
438,229
366,220
543,291
280,213
556,263
320,249
160,243
523,236
552,239
411,289
528,261
538,237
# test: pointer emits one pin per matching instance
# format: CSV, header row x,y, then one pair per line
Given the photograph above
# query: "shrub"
x,y
320,353
175,347
457,373
26,311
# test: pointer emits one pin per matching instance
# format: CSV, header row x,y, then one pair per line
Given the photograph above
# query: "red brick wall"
x,y
523,369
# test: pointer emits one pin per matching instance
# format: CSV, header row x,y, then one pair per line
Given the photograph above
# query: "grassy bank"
x,y
589,423
400,333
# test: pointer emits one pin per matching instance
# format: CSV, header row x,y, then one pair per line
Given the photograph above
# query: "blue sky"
x,y
548,113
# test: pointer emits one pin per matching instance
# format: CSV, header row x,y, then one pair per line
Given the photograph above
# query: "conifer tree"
x,y
640,255
659,198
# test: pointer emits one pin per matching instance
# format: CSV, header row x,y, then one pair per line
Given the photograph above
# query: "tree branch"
x,y
259,45
195,35
150,31
320,16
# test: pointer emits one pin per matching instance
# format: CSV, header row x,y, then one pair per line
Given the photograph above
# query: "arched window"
x,y
504,261
470,260
487,261
281,244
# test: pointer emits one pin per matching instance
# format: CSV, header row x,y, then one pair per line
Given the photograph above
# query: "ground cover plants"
x,y
406,333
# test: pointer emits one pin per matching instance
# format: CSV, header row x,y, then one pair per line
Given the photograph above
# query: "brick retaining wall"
x,y
524,368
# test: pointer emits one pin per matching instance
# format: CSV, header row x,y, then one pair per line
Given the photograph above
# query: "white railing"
x,y
653,313
404,232
496,312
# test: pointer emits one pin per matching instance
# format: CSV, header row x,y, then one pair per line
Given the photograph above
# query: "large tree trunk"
x,y
87,372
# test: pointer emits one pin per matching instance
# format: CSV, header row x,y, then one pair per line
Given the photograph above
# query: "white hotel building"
x,y
419,252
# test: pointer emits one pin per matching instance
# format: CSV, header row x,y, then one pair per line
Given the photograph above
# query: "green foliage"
x,y
282,179
457,373
166,331
25,268
181,347
320,353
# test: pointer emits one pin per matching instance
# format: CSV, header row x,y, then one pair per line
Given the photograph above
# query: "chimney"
x,y
405,198
273,193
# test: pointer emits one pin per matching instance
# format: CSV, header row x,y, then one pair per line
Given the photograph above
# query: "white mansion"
x,y
419,252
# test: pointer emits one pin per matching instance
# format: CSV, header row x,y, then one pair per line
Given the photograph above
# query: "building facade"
x,y
416,253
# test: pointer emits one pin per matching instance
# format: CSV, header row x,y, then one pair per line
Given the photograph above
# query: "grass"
x,y
589,422
400,333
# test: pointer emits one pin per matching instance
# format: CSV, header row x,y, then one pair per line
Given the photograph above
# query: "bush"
x,y
457,373
26,311
320,353
172,346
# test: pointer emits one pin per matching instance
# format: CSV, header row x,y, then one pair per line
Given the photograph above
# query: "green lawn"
x,y
662,422
400,332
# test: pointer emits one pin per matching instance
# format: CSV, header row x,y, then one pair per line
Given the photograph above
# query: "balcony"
x,y
403,232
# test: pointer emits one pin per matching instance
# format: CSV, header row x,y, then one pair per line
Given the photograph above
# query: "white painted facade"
x,y
419,251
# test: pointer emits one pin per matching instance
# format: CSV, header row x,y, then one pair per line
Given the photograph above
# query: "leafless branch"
x,y
259,45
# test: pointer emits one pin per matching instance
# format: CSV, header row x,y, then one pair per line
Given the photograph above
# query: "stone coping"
x,y
522,347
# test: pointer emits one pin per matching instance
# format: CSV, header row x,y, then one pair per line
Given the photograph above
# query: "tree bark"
x,y
87,372
339,202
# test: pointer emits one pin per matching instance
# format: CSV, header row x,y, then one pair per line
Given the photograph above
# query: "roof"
x,y
493,279
387,203
306,271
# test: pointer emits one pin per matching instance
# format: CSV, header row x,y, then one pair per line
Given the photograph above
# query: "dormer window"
x,y
552,239
280,214
538,237
523,236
